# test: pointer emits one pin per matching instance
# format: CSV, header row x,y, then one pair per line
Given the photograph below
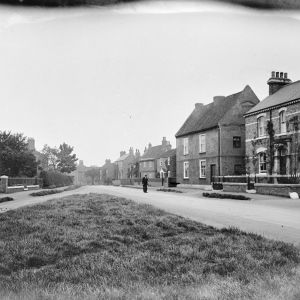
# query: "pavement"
x,y
273,217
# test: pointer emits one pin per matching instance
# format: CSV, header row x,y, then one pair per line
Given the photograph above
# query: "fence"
x,y
18,181
259,178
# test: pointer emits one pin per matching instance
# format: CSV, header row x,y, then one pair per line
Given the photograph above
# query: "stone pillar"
x,y
276,162
288,158
4,183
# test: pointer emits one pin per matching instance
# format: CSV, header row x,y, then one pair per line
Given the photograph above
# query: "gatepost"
x,y
4,183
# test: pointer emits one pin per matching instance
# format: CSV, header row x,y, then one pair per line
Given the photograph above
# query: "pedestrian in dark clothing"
x,y
145,183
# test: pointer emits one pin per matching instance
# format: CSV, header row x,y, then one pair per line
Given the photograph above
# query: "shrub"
x,y
5,199
46,192
168,190
54,178
225,196
217,186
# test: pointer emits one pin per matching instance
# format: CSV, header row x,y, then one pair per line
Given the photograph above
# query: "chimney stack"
x,y
277,81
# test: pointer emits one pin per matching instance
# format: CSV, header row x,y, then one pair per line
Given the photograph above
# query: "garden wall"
x,y
234,187
276,189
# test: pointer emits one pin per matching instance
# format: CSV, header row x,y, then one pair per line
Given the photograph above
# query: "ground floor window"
x,y
262,162
186,169
202,164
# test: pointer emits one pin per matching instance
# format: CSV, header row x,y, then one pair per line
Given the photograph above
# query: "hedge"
x,y
55,179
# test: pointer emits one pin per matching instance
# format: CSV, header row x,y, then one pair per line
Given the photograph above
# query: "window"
x,y
160,163
202,143
185,146
202,164
261,126
262,162
186,169
282,121
169,160
236,142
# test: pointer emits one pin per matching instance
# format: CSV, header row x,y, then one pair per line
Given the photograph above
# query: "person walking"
x,y
145,183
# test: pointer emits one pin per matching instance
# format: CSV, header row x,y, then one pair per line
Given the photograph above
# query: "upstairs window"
x,y
237,142
202,143
282,121
261,126
169,160
185,146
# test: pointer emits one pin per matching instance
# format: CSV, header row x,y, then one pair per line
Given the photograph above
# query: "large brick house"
x,y
107,172
211,141
123,164
272,129
150,160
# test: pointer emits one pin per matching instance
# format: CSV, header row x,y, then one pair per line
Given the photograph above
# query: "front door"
x,y
212,172
282,162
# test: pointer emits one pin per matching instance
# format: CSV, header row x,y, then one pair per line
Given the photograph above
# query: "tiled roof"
x,y
168,153
285,94
154,152
123,157
224,111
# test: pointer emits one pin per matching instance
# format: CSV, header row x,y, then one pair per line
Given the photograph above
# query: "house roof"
x,y
286,94
224,111
168,153
154,152
123,157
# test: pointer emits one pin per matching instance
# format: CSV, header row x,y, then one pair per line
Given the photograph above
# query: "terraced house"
x,y
272,129
211,141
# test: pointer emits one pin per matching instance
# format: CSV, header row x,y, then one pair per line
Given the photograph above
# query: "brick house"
x,y
123,164
275,151
166,164
211,141
149,160
107,172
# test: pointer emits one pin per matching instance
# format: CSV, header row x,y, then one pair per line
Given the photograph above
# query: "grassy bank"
x,y
103,247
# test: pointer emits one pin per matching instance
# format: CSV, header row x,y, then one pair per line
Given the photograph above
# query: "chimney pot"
x,y
277,74
285,75
273,74
277,82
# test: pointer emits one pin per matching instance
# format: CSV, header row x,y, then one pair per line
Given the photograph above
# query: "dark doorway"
x,y
282,161
212,172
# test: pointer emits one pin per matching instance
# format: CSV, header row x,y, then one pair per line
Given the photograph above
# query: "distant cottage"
x,y
211,141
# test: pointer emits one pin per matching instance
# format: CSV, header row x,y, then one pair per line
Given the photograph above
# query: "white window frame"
x,y
282,121
202,143
201,175
169,160
186,170
261,123
260,163
185,146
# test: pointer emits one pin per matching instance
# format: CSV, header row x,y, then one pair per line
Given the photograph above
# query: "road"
x,y
273,218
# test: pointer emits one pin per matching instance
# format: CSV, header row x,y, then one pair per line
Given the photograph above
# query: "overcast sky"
x,y
103,80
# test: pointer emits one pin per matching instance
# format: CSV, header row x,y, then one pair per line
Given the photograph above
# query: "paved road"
x,y
274,218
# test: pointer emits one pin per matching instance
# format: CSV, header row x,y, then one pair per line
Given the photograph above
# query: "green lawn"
x,y
102,247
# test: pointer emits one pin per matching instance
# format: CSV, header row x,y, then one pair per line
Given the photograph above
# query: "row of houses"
x,y
232,135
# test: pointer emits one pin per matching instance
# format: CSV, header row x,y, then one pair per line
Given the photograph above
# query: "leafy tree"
x,y
15,158
48,158
93,173
66,161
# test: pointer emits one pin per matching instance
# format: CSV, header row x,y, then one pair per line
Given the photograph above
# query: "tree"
x,y
15,158
48,158
93,173
66,161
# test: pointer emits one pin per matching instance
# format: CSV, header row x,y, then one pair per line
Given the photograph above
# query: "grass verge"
x,y
225,196
169,190
5,199
103,247
55,191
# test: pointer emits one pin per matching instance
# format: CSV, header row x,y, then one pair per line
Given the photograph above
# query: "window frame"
x,y
236,142
185,146
186,163
202,137
200,168
261,121
282,124
262,163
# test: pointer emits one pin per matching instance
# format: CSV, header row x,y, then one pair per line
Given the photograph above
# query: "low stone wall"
x,y
276,189
21,188
234,187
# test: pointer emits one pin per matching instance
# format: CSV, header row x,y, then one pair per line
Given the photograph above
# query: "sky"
x,y
107,79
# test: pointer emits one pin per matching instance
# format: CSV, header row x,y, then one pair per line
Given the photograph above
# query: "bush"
x,y
169,190
46,192
217,186
55,179
225,196
5,199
